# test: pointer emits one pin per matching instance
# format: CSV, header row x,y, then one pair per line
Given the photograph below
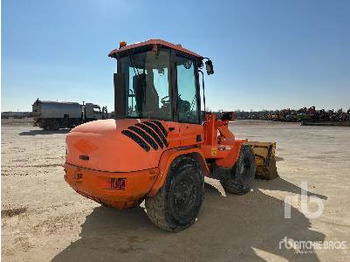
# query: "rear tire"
x,y
46,127
176,205
240,177
55,125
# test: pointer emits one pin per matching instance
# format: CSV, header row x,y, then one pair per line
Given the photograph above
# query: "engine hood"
x,y
123,145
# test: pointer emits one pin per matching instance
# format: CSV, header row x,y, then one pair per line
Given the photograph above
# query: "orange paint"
x,y
120,162
97,185
98,152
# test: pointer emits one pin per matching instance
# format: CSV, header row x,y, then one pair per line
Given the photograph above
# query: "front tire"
x,y
176,205
239,179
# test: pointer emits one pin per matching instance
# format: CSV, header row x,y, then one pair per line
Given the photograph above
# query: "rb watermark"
x,y
304,202
307,246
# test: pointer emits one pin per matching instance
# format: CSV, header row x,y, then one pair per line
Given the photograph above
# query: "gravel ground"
x,y
44,219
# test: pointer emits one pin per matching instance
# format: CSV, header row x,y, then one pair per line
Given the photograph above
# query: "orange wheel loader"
x,y
160,144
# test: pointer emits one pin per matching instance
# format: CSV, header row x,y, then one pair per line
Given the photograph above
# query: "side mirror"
x,y
209,67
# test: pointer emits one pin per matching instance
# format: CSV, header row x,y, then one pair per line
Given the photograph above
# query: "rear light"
x,y
118,183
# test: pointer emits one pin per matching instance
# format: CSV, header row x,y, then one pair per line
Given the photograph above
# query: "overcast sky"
x,y
267,54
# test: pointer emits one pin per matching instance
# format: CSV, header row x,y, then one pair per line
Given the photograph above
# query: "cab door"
x,y
188,102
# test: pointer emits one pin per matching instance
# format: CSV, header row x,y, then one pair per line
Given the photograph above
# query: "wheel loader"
x,y
161,144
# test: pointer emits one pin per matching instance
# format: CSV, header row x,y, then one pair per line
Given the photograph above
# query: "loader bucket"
x,y
264,159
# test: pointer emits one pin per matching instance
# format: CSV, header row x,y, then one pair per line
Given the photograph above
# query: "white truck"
x,y
52,115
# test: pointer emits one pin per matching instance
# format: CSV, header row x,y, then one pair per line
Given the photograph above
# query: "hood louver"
x,y
148,134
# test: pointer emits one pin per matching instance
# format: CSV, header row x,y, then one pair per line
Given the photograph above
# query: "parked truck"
x,y
52,115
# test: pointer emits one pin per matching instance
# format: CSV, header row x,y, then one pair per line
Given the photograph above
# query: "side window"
x,y
96,109
187,91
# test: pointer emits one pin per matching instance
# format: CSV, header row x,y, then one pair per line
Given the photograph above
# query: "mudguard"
x,y
167,159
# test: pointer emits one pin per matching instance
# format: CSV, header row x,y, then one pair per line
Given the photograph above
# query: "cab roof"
x,y
158,42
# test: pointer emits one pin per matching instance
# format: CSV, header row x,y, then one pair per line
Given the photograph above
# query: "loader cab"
x,y
157,80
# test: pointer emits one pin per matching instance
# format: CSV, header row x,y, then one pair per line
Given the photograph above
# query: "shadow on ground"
x,y
232,228
43,132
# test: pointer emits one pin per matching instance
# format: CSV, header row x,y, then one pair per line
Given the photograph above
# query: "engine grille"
x,y
148,134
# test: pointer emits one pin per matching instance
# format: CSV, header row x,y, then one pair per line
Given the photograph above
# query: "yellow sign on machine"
x,y
214,151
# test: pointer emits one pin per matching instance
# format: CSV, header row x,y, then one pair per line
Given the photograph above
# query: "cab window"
x,y
187,100
148,92
96,110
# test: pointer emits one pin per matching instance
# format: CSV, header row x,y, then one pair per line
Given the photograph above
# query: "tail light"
x,y
118,183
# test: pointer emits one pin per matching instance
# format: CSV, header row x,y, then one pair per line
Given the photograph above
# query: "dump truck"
x,y
157,148
52,115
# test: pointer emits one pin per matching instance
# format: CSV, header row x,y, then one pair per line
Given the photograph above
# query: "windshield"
x,y
96,109
146,79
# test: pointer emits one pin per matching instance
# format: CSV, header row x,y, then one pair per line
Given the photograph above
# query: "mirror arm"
x,y
203,88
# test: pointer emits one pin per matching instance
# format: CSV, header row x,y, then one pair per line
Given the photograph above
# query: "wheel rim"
x,y
183,196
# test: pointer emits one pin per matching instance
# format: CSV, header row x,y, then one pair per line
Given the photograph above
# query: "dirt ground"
x,y
44,219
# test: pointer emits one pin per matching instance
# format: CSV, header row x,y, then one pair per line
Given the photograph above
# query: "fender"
x,y
167,159
230,160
